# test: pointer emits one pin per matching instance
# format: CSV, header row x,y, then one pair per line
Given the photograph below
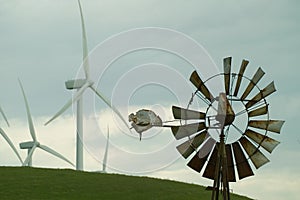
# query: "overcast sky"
x,y
138,67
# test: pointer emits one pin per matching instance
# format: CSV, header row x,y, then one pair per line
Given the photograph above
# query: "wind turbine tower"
x,y
81,85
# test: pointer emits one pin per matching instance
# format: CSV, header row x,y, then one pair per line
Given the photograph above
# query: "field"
x,y
37,183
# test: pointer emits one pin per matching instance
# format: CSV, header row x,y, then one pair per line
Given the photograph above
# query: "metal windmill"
x,y
229,113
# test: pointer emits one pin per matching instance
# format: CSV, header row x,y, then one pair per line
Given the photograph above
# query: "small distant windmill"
x,y
81,85
32,145
7,138
104,164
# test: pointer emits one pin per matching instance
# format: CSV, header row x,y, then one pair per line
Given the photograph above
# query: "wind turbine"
x,y
32,145
81,85
105,153
7,138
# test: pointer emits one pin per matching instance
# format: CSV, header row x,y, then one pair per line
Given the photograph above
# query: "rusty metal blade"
x,y
257,158
262,94
198,83
259,111
243,167
188,147
227,70
182,113
187,130
240,75
211,165
201,156
257,76
266,142
269,125
230,164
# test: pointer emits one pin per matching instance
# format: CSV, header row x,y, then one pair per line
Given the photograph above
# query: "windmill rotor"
x,y
232,131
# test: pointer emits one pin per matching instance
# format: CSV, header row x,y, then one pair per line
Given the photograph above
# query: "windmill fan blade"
x,y
201,156
3,115
10,143
30,122
257,76
243,167
84,44
227,70
257,158
269,125
110,105
266,142
262,94
187,130
182,113
198,83
230,164
211,165
29,156
240,75
51,151
69,103
188,147
258,111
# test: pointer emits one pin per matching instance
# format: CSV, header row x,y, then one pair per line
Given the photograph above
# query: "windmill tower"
x,y
104,164
232,130
81,85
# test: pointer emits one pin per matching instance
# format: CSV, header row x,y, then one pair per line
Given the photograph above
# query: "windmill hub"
x,y
225,115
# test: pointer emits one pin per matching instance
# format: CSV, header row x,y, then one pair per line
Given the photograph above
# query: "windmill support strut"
x,y
221,172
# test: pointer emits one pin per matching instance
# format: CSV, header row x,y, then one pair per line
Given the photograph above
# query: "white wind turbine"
x,y
81,85
32,145
4,135
105,153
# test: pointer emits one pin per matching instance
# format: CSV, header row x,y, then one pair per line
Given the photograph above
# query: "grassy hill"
x,y
36,183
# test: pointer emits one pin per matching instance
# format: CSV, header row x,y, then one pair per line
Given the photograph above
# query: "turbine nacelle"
x,y
28,145
77,83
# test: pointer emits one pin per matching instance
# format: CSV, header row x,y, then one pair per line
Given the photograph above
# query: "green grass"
x,y
36,183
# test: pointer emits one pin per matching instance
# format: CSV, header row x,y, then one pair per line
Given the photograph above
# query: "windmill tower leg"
x,y
79,136
221,173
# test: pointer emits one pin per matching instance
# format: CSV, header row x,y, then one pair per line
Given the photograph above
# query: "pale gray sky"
x,y
41,44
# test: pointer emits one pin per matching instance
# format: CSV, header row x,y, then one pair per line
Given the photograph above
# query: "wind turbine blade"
x,y
210,168
182,113
256,156
227,70
198,161
4,116
187,129
188,147
257,76
51,151
10,143
84,44
243,167
266,142
268,125
29,156
230,164
69,103
262,94
240,75
110,105
30,122
199,84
